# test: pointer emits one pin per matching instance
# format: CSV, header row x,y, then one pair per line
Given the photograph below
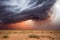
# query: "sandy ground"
x,y
26,35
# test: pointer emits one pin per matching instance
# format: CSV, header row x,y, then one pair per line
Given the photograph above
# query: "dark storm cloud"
x,y
20,10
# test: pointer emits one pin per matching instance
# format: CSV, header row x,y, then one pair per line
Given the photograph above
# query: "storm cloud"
x,y
12,11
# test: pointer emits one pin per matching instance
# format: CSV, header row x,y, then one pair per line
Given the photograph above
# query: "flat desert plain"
x,y
29,35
